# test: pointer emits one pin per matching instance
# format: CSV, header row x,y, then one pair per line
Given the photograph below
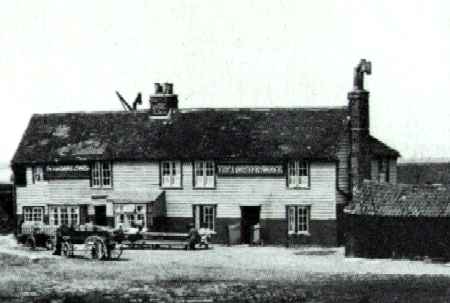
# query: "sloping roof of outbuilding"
x,y
225,134
380,149
384,199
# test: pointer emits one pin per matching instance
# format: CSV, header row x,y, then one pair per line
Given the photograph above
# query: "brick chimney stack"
x,y
359,125
163,101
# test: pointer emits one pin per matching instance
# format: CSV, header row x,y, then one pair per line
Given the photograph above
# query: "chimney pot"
x,y
158,88
168,88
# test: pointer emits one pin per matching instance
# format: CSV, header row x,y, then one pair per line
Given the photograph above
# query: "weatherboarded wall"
x,y
271,193
231,192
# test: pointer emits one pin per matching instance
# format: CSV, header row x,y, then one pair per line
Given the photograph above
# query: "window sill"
x,y
100,188
300,233
207,188
299,187
172,187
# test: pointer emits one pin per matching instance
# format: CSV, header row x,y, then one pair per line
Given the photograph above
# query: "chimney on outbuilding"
x,y
163,101
359,125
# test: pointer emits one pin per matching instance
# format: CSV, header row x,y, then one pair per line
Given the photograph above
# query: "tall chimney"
x,y
359,125
163,101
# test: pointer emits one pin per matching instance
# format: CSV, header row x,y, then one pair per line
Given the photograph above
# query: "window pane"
x,y
106,173
64,216
37,214
73,215
27,214
166,169
95,175
174,169
209,168
303,219
199,174
208,216
303,169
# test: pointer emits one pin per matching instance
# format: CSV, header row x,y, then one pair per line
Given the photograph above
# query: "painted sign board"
x,y
77,171
250,170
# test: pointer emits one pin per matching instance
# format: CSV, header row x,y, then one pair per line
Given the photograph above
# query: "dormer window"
x,y
170,174
298,174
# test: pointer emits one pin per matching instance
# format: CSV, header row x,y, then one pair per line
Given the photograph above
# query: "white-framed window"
x,y
298,217
101,175
33,214
205,216
204,174
170,173
130,215
298,174
383,170
64,215
38,174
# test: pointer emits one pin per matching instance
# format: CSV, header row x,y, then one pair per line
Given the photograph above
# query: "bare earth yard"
x,y
221,274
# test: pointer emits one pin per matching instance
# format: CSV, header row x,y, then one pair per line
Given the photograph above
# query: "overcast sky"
x,y
58,56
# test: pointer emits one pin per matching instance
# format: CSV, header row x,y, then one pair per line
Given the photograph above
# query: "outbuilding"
x,y
398,221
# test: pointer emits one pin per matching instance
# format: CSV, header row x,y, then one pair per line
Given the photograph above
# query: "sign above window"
x,y
77,171
250,170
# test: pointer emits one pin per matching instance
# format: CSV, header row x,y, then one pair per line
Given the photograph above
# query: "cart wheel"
x,y
66,251
95,247
100,249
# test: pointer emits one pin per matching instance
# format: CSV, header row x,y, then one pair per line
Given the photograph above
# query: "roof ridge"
x,y
199,109
271,108
89,112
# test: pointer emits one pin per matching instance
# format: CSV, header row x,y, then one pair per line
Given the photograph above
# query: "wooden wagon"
x,y
98,245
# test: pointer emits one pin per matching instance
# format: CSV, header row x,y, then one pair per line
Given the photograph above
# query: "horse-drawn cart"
x,y
96,244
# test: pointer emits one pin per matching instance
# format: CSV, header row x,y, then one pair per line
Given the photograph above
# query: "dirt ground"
x,y
220,274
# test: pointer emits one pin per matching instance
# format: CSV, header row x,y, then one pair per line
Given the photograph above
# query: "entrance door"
x,y
249,217
100,215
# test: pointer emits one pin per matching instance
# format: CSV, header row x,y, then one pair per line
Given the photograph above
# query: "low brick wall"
x,y
273,231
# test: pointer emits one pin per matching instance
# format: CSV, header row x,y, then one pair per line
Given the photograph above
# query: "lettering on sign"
x,y
250,170
78,171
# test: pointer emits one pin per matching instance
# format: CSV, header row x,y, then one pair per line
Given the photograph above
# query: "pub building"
x,y
290,170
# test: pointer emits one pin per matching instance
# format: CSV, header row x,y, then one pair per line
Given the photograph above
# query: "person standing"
x,y
193,236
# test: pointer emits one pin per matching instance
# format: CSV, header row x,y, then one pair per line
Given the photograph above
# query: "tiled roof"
x,y
384,199
220,134
380,149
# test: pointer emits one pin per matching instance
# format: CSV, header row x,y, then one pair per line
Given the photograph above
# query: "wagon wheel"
x,y
96,248
66,249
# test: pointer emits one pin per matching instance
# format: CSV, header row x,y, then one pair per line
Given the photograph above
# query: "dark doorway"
x,y
100,215
249,217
